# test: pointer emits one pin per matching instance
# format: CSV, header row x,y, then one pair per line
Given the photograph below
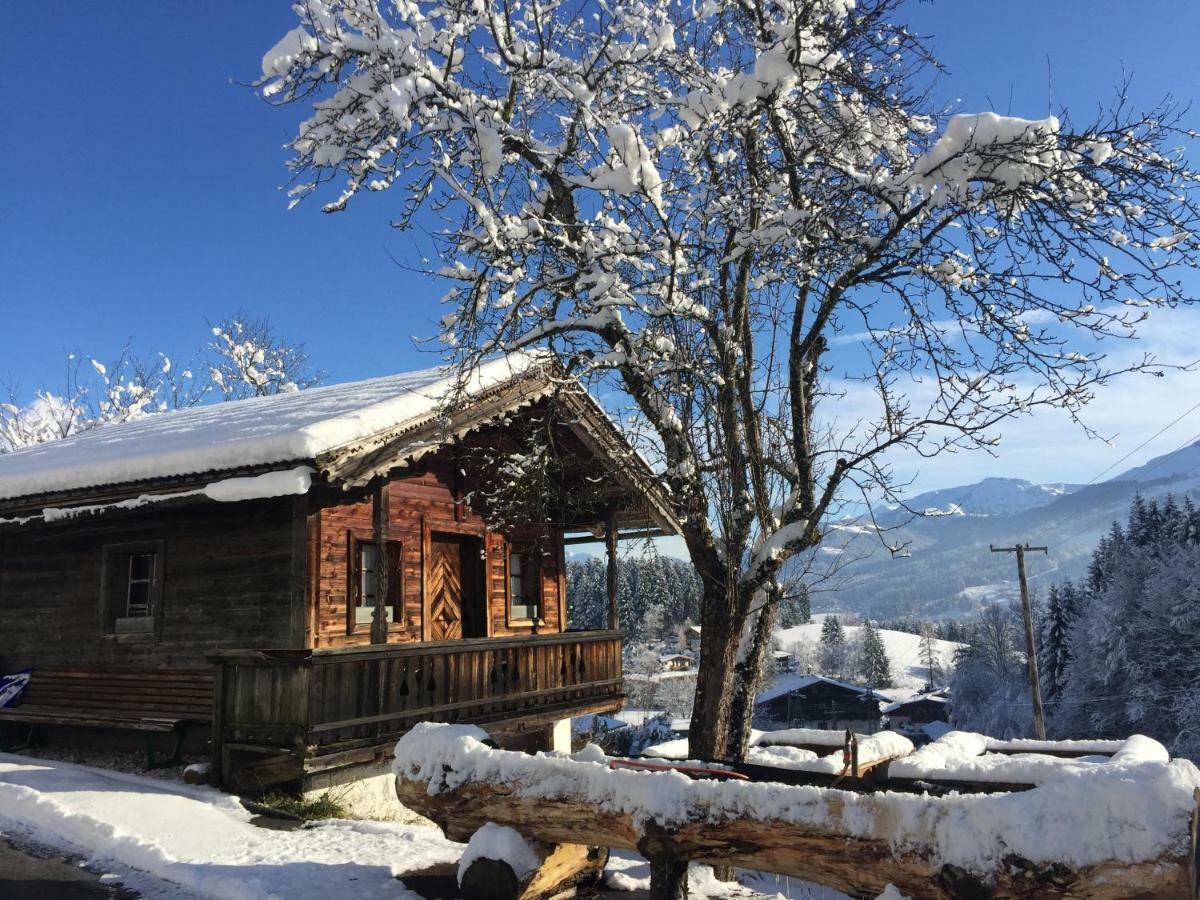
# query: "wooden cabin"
x,y
675,662
919,710
309,574
814,701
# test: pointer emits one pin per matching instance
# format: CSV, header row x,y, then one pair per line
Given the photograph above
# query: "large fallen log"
x,y
856,843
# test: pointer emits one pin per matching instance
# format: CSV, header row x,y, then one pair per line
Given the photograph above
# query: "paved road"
x,y
26,875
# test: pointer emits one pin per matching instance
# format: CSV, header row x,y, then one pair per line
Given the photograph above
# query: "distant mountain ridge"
x,y
989,497
1184,461
950,572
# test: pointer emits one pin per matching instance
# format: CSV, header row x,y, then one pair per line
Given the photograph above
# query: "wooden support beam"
x,y
379,522
638,534
610,547
298,616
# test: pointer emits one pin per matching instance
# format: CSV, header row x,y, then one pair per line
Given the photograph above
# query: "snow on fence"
x,y
1122,828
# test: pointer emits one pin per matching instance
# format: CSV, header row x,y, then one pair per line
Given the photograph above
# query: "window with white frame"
x,y
524,596
364,555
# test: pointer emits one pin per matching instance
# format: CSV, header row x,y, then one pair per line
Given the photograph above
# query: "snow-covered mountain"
x,y
990,497
949,570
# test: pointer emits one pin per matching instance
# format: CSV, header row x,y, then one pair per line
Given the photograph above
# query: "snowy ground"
x,y
903,649
169,841
175,841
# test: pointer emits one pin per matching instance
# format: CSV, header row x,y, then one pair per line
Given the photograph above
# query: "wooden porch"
x,y
280,715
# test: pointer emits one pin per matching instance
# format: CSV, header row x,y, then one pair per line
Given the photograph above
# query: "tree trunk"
x,y
748,676
720,632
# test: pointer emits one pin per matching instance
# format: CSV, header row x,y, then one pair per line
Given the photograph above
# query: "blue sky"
x,y
139,190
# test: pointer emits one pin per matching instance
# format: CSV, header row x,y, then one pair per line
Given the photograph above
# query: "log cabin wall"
x,y
226,583
418,503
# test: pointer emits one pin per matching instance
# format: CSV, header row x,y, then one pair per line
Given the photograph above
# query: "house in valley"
x,y
919,710
307,575
814,701
675,662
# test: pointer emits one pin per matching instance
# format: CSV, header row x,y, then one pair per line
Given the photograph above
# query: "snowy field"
x,y
177,842
904,653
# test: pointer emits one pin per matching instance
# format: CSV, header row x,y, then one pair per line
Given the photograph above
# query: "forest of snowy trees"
x,y
1119,650
655,594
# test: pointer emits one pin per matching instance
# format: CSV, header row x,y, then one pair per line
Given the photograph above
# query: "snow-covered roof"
x,y
260,431
931,698
786,684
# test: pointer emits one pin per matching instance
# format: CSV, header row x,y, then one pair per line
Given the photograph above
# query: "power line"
x,y
1158,462
1156,434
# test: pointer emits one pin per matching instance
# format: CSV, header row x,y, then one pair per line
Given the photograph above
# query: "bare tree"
x,y
248,359
750,218
245,358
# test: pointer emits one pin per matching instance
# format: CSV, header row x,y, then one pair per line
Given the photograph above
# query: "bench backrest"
x,y
165,693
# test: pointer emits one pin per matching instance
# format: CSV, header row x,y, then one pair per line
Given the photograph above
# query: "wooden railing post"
x,y
217,741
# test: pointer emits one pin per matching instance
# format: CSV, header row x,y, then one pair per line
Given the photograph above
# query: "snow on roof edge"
x,y
785,684
239,434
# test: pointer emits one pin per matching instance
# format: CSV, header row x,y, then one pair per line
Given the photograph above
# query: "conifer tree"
x,y
1054,644
796,607
874,666
832,654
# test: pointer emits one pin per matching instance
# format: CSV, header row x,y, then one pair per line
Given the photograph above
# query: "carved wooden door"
x,y
445,588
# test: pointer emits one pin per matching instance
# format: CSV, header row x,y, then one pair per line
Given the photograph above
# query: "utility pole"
x,y
1035,685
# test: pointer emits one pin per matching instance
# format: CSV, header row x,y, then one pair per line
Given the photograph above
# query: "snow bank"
x,y
872,749
1088,814
780,756
503,844
962,756
818,737
203,840
1030,745
292,427
676,749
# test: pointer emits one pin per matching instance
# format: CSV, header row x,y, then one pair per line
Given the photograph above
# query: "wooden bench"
x,y
153,702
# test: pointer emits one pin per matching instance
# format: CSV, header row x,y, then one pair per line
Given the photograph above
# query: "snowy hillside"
x,y
948,570
903,649
1185,461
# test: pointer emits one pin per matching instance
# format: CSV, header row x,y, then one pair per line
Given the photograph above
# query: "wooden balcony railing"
x,y
318,703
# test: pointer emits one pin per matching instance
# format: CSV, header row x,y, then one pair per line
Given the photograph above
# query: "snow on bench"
x,y
872,750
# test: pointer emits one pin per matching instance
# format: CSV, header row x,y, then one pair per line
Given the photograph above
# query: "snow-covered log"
x,y
1121,830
